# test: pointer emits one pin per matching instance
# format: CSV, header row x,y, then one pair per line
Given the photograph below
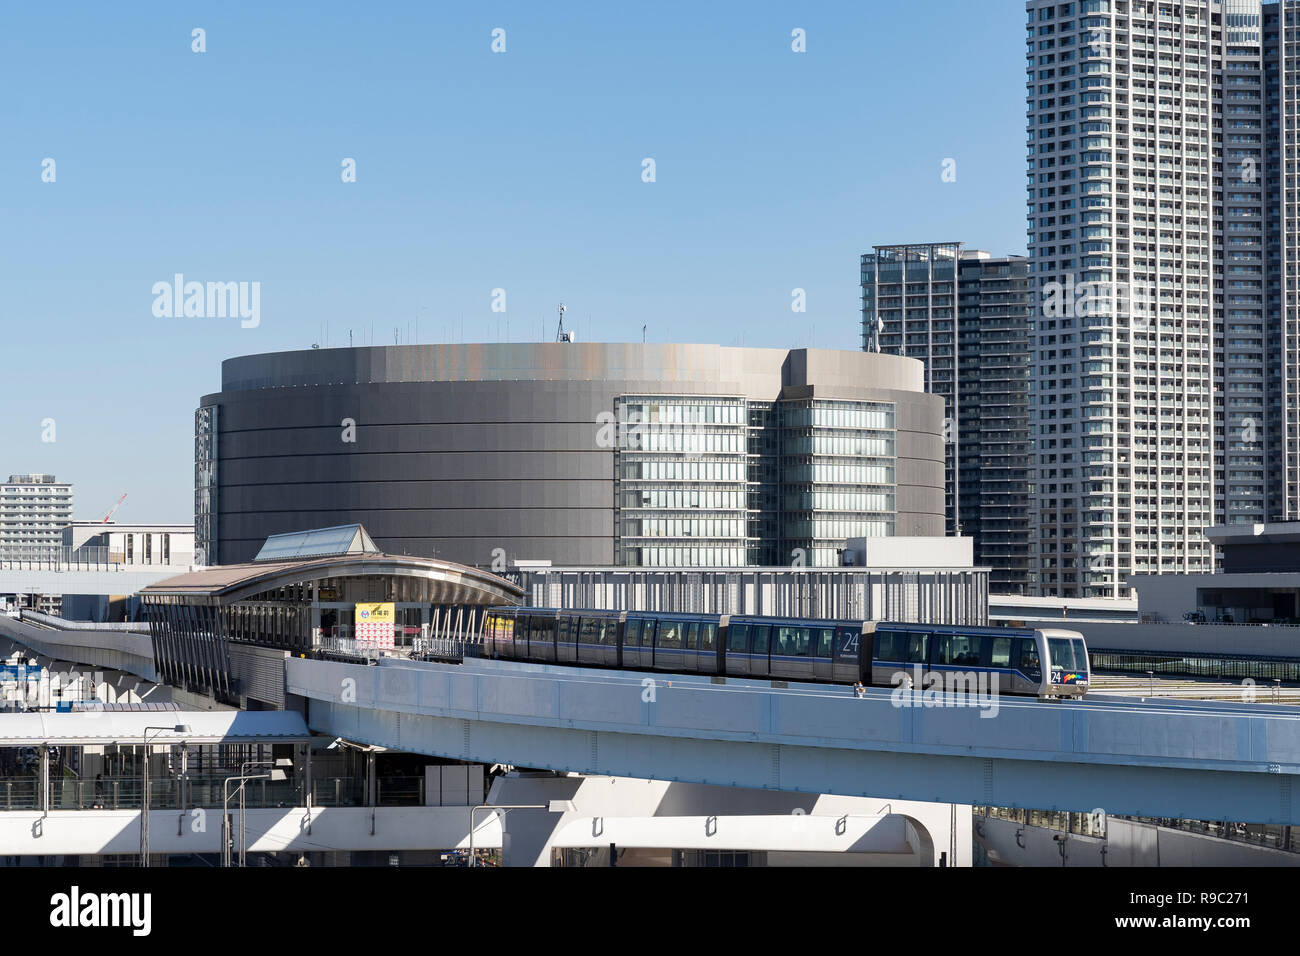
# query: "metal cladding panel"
x,y
465,451
257,672
446,523
486,465
323,497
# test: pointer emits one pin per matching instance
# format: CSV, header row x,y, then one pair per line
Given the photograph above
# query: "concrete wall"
x,y
1169,596
1226,639
464,449
793,828
75,832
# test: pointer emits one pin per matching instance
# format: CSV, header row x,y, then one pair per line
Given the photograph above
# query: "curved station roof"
x,y
346,551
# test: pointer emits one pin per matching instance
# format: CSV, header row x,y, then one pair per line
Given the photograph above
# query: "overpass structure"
x,y
1126,756
123,647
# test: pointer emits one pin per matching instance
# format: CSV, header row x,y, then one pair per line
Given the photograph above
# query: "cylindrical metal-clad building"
x,y
580,454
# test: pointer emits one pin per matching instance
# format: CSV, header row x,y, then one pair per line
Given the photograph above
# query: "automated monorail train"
x,y
1046,662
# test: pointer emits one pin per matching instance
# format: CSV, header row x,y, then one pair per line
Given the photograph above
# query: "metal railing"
x,y
59,558
447,648
204,790
63,624
1270,836
453,648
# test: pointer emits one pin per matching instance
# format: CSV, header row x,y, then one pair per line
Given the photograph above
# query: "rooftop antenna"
x,y
560,334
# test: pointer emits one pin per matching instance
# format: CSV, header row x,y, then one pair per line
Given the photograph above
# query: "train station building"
x,y
226,631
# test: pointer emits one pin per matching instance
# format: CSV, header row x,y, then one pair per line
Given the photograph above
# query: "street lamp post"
x,y
144,788
274,773
555,806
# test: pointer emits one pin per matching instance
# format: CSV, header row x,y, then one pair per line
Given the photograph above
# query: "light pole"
x,y
275,773
555,806
144,788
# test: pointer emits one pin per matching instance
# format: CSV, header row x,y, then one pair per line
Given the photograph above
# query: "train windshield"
x,y
1062,650
1080,655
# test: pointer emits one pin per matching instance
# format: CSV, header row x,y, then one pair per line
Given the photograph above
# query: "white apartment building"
x,y
33,512
1153,236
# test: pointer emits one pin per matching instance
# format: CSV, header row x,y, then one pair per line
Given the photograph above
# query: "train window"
x,y
762,634
942,647
1027,657
670,634
1080,654
889,646
966,649
791,642
917,647
960,650
738,638
824,641
609,634
632,633
1001,656
707,633
692,636
587,631
565,632
1062,651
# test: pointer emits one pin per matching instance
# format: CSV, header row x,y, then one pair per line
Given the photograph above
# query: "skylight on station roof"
x,y
317,543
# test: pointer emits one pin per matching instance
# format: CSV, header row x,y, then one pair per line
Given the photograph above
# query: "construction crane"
x,y
114,509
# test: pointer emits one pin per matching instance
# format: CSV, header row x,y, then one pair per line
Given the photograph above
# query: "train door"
x,y
526,636
566,640
668,646
542,636
607,641
887,658
588,653
632,641
737,649
1028,678
708,661
760,641
691,647
822,649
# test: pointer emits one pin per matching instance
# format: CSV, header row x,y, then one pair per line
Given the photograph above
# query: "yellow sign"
x,y
374,625
375,613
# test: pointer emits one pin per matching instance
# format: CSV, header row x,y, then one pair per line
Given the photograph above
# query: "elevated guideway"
x,y
1129,756
123,647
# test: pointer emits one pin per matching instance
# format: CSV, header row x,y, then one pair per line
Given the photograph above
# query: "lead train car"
x,y
1047,662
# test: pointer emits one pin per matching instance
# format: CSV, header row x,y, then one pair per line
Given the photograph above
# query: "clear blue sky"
x,y
475,171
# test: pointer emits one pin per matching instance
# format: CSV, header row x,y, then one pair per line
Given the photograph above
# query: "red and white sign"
x,y
374,625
